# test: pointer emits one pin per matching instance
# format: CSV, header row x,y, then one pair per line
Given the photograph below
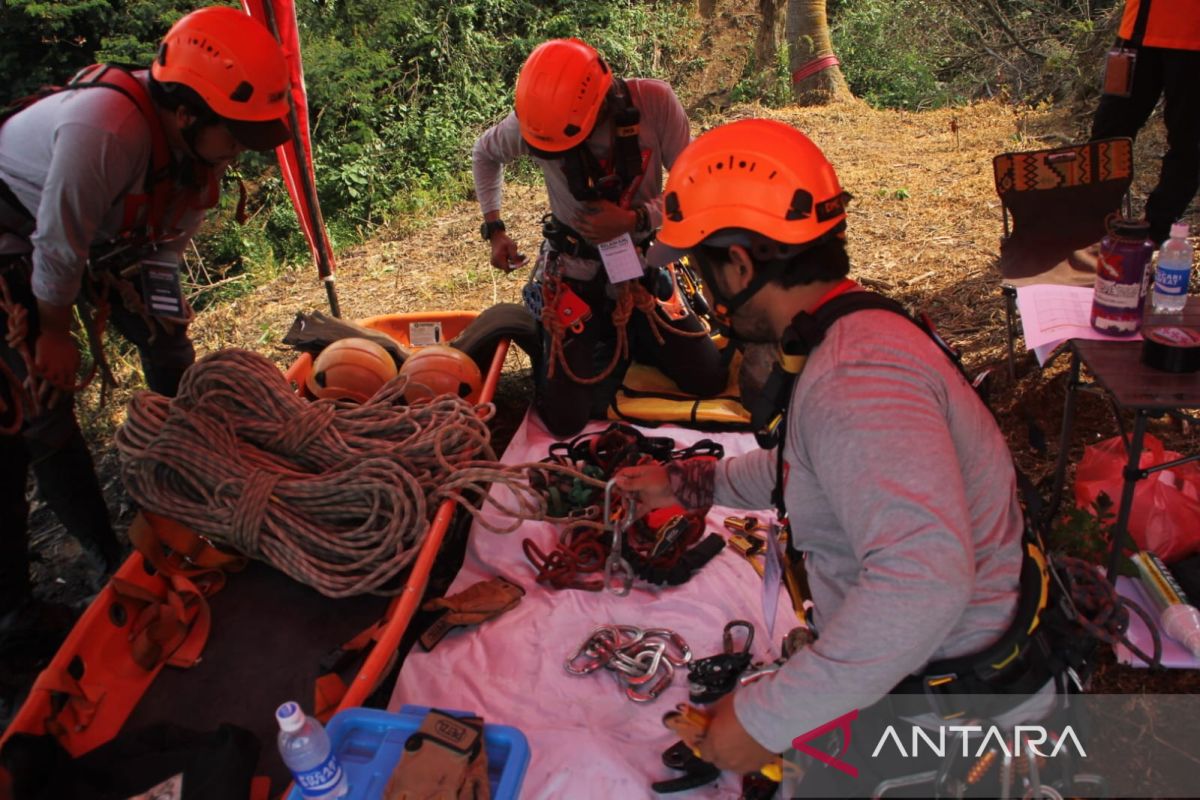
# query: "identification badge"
x,y
161,290
1118,72
620,259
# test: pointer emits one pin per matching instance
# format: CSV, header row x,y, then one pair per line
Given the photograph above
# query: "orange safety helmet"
x,y
441,369
353,368
234,64
755,175
560,90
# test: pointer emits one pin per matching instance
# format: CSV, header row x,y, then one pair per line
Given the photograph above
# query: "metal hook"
x,y
618,575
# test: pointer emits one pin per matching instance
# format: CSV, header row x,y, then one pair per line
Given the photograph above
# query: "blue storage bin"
x,y
370,742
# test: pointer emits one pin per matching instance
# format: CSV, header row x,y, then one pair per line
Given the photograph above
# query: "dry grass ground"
x,y
924,227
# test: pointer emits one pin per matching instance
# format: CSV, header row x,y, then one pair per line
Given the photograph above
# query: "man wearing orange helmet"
x,y
900,485
102,186
602,144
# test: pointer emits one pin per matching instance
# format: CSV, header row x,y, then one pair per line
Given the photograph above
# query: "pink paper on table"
x,y
1052,314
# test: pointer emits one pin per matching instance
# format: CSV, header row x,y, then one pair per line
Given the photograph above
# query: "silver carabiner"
x,y
618,575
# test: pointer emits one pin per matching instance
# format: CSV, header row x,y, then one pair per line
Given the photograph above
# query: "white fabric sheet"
x,y
587,739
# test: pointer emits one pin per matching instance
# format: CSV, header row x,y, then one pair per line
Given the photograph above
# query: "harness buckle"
x,y
939,697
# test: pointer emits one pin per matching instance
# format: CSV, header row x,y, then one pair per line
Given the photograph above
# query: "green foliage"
x,y
400,90
884,52
1085,532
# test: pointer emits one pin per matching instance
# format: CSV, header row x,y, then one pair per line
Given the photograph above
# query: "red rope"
x,y
814,66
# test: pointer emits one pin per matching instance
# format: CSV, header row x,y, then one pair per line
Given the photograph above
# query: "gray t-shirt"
x,y
72,159
663,131
901,490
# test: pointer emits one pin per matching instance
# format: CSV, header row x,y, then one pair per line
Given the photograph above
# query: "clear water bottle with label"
x,y
305,748
1174,271
1121,276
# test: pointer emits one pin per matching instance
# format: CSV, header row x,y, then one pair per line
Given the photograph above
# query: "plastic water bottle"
x,y
305,749
1121,275
1174,271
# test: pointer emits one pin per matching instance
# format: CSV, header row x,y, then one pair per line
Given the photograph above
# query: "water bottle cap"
x,y
290,717
1180,230
1129,228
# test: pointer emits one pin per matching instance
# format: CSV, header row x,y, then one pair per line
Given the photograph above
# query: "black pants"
x,y
693,362
1171,74
53,445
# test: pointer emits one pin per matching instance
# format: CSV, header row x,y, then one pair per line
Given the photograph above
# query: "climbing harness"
x,y
643,661
590,459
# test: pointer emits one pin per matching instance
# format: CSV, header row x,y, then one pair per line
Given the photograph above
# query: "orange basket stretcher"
x,y
102,673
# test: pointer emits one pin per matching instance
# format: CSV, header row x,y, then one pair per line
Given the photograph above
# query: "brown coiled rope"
x,y
336,495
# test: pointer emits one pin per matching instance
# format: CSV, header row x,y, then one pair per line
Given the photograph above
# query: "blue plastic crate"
x,y
370,742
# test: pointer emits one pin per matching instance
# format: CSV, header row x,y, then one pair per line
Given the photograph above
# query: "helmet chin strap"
x,y
724,306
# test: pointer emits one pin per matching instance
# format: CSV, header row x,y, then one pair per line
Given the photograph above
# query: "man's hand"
x,y
649,485
504,253
56,356
726,743
602,221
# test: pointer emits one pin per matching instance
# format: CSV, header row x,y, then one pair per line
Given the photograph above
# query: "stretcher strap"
x,y
170,628
175,550
78,709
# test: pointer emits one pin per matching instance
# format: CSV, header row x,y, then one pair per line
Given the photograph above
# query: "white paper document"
x,y
1052,314
620,259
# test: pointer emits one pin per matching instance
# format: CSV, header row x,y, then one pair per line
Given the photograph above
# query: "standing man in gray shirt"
x,y
602,144
102,186
900,486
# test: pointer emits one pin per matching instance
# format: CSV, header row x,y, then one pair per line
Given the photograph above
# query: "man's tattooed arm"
x,y
692,481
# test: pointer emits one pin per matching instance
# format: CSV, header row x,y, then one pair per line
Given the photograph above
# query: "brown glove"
x,y
443,760
473,605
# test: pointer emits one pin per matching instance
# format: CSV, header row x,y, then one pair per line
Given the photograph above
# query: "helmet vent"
x,y
242,93
162,54
571,130
802,205
671,205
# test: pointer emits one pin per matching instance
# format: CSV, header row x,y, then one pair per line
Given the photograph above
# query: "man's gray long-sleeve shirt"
x,y
901,490
663,132
72,159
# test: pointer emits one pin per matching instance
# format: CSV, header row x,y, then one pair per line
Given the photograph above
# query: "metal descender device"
x,y
618,575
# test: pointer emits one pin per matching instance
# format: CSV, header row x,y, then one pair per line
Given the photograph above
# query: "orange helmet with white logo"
x,y
353,368
560,90
234,64
754,175
440,369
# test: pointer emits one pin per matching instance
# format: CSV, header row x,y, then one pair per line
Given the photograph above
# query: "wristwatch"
x,y
488,228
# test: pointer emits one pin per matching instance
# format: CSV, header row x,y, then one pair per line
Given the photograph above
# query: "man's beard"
x,y
750,327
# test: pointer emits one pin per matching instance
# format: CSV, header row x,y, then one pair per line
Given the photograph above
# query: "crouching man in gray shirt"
x,y
900,487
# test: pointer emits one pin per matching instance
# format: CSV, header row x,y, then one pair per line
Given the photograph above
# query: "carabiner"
x,y
654,691
618,575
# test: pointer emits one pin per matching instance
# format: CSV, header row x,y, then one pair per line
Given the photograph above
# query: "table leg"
x,y
1064,441
1131,474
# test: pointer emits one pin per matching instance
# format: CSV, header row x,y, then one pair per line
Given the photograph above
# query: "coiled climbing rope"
x,y
334,494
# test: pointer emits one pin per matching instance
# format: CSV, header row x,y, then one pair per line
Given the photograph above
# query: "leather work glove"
x,y
443,760
475,604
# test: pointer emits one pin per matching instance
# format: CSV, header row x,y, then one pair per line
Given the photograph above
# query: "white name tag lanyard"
x,y
620,259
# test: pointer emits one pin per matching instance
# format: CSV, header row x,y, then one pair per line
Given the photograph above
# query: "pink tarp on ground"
x,y
586,738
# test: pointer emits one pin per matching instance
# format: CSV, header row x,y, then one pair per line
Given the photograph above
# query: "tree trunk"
x,y
807,32
770,32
